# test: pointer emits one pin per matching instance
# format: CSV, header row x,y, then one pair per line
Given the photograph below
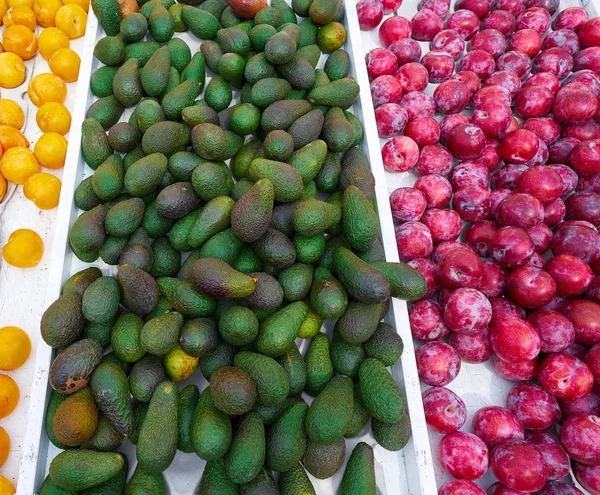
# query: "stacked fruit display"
x,y
264,262
508,147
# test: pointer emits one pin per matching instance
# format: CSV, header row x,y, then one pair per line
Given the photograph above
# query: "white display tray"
x,y
407,472
478,385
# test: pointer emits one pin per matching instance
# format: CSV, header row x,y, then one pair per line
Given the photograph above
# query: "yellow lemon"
x,y
24,249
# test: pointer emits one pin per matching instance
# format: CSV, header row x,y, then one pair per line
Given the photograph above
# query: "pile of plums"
x,y
506,153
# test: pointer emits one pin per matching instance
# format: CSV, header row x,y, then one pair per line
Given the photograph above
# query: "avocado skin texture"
x,y
294,365
272,381
346,358
323,461
268,293
286,440
49,488
307,128
296,281
216,278
341,93
142,483
359,322
106,438
279,330
318,364
56,399
109,16
215,480
360,222
275,249
262,484
287,181
94,143
360,176
177,200
63,321
299,72
312,216
360,415
282,114
359,476
73,367
246,456
76,418
180,97
111,392
362,281
269,90
127,87
145,376
188,400
145,175
157,444
337,65
330,412
392,436
328,297
385,345
211,429
233,390
107,111
199,337
140,290
380,393
405,282
295,480
201,23
79,469
251,215
160,334
165,137
125,337
221,356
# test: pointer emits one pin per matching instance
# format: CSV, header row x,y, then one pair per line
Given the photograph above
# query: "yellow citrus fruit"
x,y
65,64
45,11
15,348
3,186
21,15
53,117
12,70
3,9
51,150
20,40
6,487
43,189
24,249
4,445
71,19
84,4
9,395
17,164
51,40
11,114
46,87
11,138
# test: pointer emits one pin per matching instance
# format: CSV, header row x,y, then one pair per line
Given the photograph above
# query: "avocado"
x,y
63,321
157,444
76,419
188,400
195,71
337,65
110,50
319,369
199,337
180,97
307,128
296,281
385,345
107,111
286,439
80,469
330,412
323,461
341,93
238,326
286,181
127,87
211,429
85,197
272,381
312,216
101,80
73,367
142,483
360,222
159,335
346,358
139,289
262,484
212,52
359,322
111,393
246,457
133,27
360,415
215,480
294,365
160,23
363,282
116,484
379,391
167,260
142,51
282,114
279,330
145,376
154,76
328,297
218,94
223,245
217,279
269,90
94,143
145,175
214,217
295,480
54,402
165,137
392,436
359,476
221,356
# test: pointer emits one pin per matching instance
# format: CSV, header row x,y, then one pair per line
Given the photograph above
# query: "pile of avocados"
x,y
225,269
